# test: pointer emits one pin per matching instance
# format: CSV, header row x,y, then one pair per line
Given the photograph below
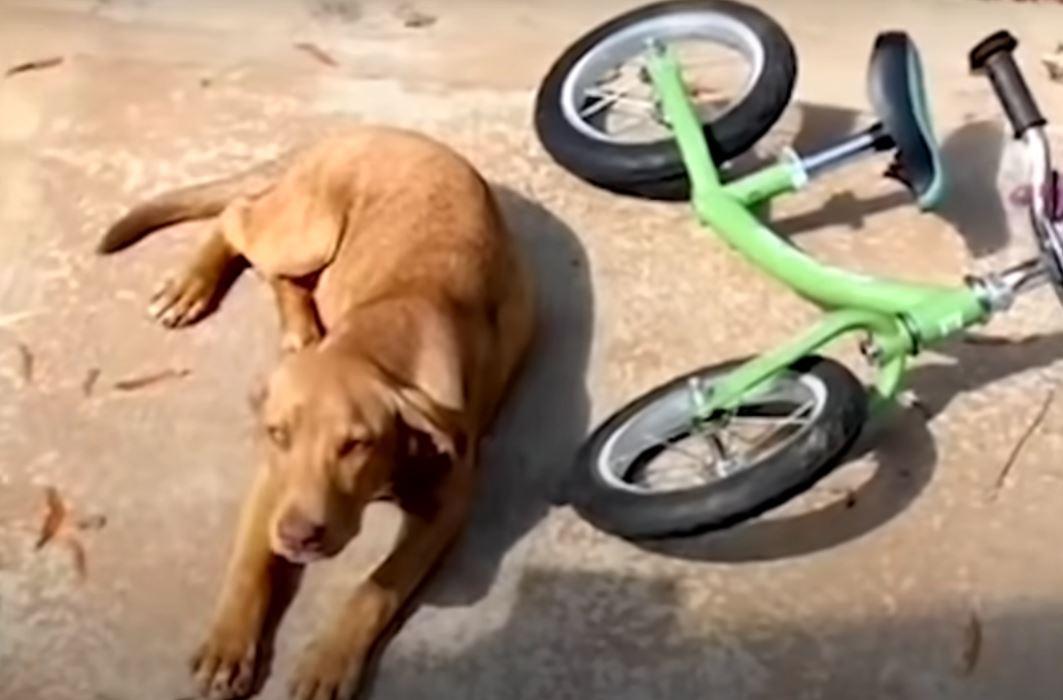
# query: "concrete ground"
x,y
910,574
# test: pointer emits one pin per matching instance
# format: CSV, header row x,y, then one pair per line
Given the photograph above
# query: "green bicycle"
x,y
726,443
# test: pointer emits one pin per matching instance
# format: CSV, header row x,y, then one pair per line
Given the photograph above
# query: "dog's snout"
x,y
299,532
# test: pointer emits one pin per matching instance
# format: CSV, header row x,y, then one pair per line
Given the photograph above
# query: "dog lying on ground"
x,y
405,311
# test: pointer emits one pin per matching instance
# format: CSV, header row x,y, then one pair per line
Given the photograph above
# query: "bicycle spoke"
x,y
674,447
685,451
619,101
665,445
790,420
765,420
714,62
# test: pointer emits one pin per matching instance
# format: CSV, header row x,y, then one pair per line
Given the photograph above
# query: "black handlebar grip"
x,y
994,56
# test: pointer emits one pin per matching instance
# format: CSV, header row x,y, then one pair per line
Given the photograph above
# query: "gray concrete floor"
x,y
928,583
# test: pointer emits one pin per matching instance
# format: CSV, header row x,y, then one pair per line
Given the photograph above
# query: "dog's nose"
x,y
299,533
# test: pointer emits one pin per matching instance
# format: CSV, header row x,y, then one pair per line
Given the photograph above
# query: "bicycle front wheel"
x,y
654,470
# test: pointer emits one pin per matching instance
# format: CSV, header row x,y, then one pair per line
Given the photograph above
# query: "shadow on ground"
x,y
533,445
577,634
978,361
973,202
971,159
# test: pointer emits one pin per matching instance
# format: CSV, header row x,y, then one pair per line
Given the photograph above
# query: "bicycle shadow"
x,y
937,385
971,155
973,205
805,127
819,126
904,452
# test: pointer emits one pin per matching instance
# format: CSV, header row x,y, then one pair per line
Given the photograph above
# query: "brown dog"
x,y
406,310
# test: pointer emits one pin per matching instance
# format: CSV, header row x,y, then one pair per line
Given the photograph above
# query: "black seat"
x,y
895,86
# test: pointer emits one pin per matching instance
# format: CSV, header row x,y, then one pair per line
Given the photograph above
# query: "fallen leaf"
x,y
1053,63
972,645
26,360
37,64
91,522
55,514
1013,456
77,551
414,18
318,53
134,383
89,382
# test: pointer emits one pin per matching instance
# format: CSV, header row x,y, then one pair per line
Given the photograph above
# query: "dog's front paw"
x,y
183,299
224,665
328,671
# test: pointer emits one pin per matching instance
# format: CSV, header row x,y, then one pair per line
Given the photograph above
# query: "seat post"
x,y
874,138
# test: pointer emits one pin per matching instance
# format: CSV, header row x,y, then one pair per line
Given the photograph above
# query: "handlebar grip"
x,y
994,55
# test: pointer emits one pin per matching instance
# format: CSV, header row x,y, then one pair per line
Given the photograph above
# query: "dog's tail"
x,y
187,203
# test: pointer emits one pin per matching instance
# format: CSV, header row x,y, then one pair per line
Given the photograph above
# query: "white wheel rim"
x,y
622,46
656,423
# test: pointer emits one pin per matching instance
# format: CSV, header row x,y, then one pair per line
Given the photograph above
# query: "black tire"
x,y
655,170
731,499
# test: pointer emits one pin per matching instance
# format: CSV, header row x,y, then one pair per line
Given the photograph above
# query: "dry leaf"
x,y
972,645
54,516
318,53
25,363
134,383
77,551
91,522
89,382
414,18
1054,65
37,64
1013,456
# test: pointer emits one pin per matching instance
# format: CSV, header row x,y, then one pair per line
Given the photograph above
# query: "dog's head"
x,y
334,430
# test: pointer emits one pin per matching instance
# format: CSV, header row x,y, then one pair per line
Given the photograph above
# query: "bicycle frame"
x,y
900,318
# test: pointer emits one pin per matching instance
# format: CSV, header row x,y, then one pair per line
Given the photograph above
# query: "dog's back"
x,y
411,216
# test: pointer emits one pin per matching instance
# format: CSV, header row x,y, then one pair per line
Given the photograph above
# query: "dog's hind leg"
x,y
188,295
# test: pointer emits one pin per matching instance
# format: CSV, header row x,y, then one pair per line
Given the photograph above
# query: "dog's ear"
x,y
419,351
284,238
442,427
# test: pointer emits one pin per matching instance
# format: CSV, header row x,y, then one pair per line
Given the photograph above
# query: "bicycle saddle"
x,y
895,86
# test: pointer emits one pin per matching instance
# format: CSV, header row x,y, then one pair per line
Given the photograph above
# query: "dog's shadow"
x,y
532,445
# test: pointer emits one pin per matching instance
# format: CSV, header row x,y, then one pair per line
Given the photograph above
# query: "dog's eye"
x,y
351,444
279,435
